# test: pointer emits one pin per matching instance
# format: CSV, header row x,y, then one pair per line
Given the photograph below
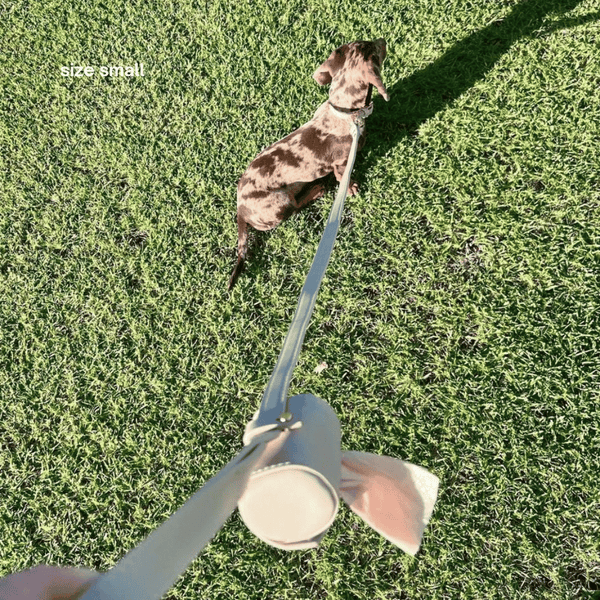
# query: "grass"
x,y
459,316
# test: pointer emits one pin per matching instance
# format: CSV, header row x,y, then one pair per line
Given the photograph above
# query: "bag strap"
x,y
151,568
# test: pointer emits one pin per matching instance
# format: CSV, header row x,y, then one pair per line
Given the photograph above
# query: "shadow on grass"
x,y
419,97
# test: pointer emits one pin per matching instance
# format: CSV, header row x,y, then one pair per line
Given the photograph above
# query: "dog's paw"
x,y
317,191
353,188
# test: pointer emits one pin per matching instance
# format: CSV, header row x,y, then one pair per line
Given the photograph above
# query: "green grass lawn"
x,y
459,316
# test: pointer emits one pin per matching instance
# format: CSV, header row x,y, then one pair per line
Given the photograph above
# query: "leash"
x,y
394,498
151,568
274,405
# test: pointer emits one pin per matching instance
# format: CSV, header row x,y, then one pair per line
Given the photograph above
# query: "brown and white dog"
x,y
283,178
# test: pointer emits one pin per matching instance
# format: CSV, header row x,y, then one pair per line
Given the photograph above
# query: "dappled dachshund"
x,y
289,174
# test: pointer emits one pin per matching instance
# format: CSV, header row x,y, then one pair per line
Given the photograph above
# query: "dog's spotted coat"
x,y
288,175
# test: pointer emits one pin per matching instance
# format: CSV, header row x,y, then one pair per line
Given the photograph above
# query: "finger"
x,y
46,583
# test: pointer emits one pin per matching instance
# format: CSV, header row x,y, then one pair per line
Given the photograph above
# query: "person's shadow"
x,y
420,96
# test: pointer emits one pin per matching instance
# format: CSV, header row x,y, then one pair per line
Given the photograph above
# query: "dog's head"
x,y
350,69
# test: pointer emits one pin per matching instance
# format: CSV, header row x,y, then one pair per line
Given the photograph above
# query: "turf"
x,y
459,316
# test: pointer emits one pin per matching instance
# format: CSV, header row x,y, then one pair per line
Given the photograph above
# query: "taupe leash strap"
x,y
150,569
274,400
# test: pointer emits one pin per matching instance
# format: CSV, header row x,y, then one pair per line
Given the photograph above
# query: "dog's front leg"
x,y
338,171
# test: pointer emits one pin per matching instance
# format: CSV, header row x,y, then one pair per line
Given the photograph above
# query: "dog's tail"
x,y
242,249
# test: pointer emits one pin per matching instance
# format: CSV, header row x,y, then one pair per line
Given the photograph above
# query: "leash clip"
x,y
359,117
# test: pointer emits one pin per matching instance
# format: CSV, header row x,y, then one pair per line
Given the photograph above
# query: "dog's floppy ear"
x,y
374,77
326,72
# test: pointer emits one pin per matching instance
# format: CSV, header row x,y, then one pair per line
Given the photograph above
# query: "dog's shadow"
x,y
430,90
419,97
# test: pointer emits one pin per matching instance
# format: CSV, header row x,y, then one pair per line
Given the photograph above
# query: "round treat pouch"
x,y
293,496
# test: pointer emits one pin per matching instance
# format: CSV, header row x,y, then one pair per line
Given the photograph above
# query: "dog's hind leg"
x,y
283,203
311,191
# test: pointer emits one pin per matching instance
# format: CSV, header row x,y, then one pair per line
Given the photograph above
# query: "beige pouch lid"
x,y
289,506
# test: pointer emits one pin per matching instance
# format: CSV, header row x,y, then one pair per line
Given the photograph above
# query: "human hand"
x,y
46,583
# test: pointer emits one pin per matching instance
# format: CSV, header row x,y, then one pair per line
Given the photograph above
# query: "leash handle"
x,y
274,403
151,568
